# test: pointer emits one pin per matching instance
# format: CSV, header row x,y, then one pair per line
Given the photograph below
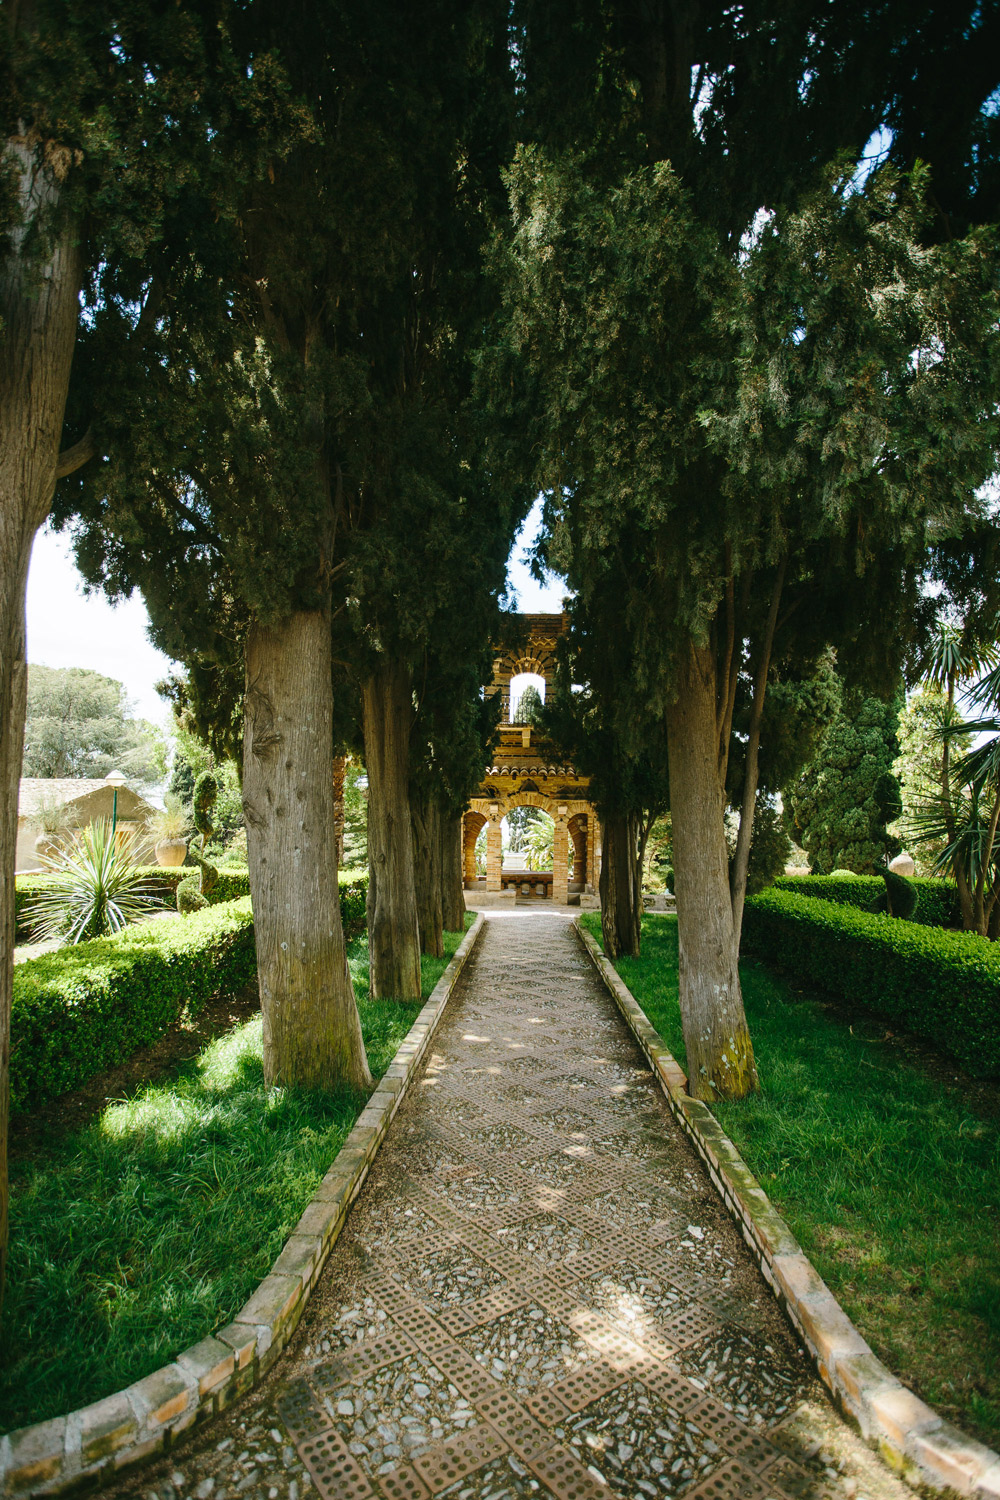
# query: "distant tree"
x,y
843,802
80,723
519,824
529,706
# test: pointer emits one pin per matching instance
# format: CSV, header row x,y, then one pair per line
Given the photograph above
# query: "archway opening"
x,y
527,840
527,694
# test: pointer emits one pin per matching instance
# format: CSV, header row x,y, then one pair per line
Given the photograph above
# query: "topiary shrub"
x,y
899,899
195,889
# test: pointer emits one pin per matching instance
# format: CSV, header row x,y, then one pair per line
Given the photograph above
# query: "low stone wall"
x,y
927,1451
97,1443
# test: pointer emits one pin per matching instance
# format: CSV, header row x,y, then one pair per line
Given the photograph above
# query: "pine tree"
x,y
843,802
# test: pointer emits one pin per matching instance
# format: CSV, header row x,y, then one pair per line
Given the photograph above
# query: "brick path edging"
x,y
97,1443
929,1452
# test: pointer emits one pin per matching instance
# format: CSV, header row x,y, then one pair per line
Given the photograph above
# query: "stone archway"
x,y
527,772
472,826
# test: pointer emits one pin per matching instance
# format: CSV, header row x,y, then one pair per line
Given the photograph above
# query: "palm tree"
x,y
965,818
955,819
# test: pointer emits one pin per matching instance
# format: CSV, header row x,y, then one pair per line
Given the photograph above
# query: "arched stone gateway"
x,y
524,776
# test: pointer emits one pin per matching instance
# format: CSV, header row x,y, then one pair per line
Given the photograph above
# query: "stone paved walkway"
x,y
537,1293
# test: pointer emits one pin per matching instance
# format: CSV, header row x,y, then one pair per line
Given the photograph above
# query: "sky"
x,y
68,628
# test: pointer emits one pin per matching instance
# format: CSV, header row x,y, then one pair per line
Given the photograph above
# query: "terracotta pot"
x,y
170,853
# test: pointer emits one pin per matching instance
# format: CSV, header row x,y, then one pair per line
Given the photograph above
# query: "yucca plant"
x,y
95,888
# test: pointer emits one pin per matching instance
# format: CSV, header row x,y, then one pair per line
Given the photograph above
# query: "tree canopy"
x,y
80,723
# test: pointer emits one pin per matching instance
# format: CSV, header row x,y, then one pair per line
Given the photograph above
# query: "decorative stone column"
x,y
595,862
494,850
339,772
560,857
469,837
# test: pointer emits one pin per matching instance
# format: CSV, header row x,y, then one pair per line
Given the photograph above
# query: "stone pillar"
x,y
596,853
560,859
339,772
469,836
494,852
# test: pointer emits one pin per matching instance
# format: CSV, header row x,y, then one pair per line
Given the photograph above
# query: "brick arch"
x,y
473,824
527,799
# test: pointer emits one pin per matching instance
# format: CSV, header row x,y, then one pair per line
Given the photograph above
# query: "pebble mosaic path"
x,y
537,1292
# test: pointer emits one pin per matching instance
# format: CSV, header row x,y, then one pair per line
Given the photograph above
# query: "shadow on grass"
x,y
141,1233
887,1176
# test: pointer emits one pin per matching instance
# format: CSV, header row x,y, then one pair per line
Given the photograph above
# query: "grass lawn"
x,y
145,1230
887,1176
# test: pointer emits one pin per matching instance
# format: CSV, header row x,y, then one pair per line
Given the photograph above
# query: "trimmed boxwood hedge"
x,y
937,900
941,985
233,883
81,1009
163,882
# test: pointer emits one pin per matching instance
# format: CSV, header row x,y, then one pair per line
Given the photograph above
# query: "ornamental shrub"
x,y
944,986
80,1010
937,900
157,879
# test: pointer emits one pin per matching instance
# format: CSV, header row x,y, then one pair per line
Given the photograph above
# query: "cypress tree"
x,y
723,384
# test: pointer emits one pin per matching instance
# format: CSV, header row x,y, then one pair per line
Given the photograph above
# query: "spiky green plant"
x,y
95,889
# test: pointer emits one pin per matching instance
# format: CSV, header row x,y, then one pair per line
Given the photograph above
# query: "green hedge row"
x,y
81,1009
937,900
232,885
944,986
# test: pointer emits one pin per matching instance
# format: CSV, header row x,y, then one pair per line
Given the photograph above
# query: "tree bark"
x,y
425,820
312,1032
39,294
621,886
393,934
719,1051
452,873
741,862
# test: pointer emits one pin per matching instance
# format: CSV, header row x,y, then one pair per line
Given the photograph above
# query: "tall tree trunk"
x,y
38,312
719,1051
452,873
621,886
312,1033
425,820
393,936
741,861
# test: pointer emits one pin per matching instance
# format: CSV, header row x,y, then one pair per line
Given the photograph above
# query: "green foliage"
x,y
140,1234
885,1171
842,803
92,886
80,724
919,767
770,846
540,843
83,1009
161,883
79,1010
941,985
900,897
353,900
520,821
529,707
195,889
936,900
